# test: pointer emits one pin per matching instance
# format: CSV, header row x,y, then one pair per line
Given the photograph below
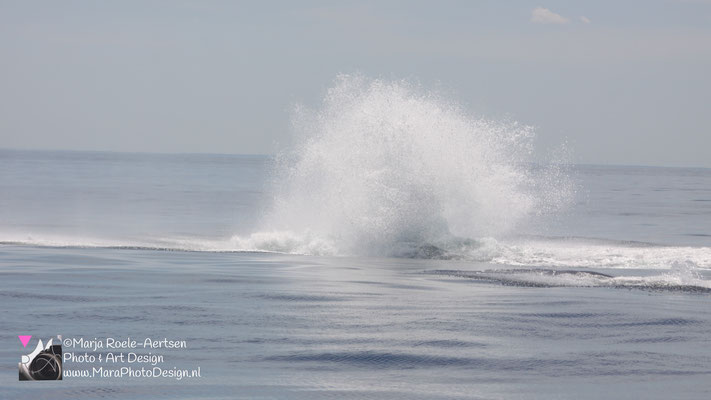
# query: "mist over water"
x,y
388,168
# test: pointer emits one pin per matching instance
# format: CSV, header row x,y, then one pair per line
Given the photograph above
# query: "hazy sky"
x,y
623,82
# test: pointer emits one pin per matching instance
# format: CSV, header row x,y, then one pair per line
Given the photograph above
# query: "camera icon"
x,y
43,364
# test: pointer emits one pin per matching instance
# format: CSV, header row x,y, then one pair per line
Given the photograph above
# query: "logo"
x,y
44,363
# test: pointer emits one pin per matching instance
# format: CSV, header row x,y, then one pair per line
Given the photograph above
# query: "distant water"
x,y
399,250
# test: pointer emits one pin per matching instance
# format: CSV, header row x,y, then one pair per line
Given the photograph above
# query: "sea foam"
x,y
388,168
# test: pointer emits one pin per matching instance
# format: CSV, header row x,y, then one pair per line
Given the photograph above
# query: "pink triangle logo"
x,y
25,339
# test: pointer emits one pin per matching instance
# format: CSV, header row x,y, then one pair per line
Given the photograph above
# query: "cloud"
x,y
542,15
585,20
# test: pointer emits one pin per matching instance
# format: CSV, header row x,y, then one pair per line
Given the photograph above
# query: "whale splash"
x,y
388,168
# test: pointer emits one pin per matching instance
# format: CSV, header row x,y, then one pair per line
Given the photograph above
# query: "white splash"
x,y
384,163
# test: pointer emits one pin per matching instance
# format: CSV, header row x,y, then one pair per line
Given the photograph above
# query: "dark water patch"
x,y
658,339
521,277
267,340
447,344
533,302
4,276
247,281
375,359
296,297
387,360
564,315
177,308
649,372
394,285
206,322
656,322
426,251
304,341
50,297
664,287
182,315
80,286
118,318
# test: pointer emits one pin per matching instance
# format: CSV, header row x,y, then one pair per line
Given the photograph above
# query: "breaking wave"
x,y
680,278
384,167
548,253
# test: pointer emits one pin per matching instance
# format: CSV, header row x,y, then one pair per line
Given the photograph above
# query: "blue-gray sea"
x,y
607,297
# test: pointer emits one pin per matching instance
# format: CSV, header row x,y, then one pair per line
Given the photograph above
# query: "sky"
x,y
619,82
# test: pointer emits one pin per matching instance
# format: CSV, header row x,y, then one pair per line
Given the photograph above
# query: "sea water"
x,y
399,248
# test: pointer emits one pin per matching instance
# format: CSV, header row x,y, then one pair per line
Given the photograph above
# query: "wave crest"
x,y
384,163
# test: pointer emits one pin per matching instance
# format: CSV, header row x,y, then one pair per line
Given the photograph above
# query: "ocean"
x,y
392,253
613,301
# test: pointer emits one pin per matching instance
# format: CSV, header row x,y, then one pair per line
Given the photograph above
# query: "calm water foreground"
x,y
280,326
